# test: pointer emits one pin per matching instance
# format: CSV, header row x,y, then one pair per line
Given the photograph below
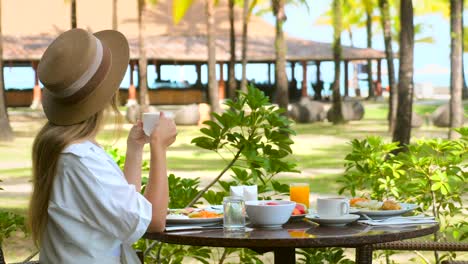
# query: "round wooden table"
x,y
284,241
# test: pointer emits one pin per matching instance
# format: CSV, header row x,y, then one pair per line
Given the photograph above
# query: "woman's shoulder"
x,y
83,148
88,157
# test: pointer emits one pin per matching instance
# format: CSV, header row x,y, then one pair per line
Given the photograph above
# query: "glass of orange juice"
x,y
299,193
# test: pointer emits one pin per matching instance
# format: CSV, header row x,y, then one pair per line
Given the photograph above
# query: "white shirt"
x,y
94,214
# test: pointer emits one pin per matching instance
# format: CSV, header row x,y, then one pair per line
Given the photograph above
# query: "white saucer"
x,y
333,221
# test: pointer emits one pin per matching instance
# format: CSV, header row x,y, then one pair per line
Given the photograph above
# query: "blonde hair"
x,y
47,147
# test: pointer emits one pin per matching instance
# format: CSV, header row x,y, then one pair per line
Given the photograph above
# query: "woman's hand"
x,y
164,134
137,137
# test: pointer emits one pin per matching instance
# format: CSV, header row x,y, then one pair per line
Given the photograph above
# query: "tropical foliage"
x,y
432,174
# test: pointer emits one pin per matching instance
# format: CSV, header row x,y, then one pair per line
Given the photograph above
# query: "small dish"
x,y
333,221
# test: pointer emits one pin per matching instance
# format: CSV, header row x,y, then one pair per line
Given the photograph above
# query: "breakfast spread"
x,y
387,205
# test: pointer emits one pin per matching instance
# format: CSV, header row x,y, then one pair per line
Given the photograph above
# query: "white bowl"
x,y
269,216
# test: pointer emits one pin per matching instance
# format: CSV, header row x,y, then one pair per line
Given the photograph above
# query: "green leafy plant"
x,y
253,137
9,223
327,255
370,169
119,157
431,173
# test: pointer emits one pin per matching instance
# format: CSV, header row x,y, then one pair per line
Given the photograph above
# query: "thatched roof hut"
x,y
29,26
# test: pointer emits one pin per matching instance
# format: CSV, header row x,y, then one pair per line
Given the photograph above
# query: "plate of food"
x,y
193,216
380,209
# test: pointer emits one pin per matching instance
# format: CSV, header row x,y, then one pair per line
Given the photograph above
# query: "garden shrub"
x,y
432,173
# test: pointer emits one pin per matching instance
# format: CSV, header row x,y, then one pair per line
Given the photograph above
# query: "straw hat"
x,y
81,72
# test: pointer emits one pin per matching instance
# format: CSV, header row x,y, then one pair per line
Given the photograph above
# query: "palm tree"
x,y
337,29
232,44
114,15
402,132
282,93
211,35
245,21
351,17
6,133
387,32
142,62
369,6
179,10
73,13
456,75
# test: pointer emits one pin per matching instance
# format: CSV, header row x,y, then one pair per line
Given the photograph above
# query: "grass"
x,y
319,151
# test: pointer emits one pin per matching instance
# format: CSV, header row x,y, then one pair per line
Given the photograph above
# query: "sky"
x,y
432,62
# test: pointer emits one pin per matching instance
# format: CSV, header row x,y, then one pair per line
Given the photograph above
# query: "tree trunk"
x,y
402,132
232,61
6,133
387,31
369,45
282,89
336,96
465,87
114,15
73,13
212,83
351,41
142,62
245,21
456,75
2,257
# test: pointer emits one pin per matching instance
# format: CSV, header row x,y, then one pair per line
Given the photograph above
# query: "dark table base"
x,y
364,254
288,255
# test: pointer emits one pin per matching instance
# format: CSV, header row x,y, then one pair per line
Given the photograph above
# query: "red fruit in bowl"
x,y
296,212
301,208
272,203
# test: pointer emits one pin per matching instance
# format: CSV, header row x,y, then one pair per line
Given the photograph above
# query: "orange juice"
x,y
299,193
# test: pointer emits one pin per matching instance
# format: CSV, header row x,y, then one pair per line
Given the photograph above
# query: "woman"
x,y
84,209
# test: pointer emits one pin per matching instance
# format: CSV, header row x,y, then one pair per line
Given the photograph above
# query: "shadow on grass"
x,y
332,157
8,173
356,129
196,163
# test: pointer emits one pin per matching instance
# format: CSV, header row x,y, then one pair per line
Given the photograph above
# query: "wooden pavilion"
x,y
30,26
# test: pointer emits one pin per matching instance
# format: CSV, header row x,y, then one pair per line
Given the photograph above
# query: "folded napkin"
x,y
400,221
248,192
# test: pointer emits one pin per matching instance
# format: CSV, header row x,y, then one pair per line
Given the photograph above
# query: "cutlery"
x,y
409,218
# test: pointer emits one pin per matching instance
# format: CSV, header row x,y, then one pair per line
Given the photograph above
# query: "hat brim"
x,y
61,113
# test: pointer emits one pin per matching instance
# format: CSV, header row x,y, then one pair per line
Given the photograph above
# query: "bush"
x,y
432,173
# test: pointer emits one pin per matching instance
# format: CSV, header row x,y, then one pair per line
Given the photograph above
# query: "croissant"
x,y
390,205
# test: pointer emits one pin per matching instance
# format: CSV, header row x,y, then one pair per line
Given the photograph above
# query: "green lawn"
x,y
319,151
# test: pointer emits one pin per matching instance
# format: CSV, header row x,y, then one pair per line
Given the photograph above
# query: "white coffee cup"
x,y
332,207
151,120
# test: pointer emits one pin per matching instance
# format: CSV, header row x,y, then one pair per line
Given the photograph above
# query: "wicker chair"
x,y
425,246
